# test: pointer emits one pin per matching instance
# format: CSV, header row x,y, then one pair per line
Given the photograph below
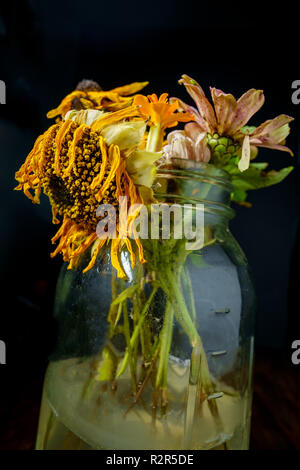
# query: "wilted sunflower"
x,y
91,158
89,95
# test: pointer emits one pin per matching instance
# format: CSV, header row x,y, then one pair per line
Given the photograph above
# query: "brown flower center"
x,y
70,192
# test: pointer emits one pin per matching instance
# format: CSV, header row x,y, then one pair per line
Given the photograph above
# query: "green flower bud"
x,y
223,148
213,143
231,149
220,148
225,141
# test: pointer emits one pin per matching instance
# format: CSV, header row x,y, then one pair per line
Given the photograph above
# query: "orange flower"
x,y
159,111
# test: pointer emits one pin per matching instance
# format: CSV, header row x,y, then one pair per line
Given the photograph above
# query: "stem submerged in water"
x,y
165,345
136,332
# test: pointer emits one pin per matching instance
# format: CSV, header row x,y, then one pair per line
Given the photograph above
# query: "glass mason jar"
x,y
163,359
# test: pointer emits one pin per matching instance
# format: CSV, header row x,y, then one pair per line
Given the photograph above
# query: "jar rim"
x,y
184,169
201,170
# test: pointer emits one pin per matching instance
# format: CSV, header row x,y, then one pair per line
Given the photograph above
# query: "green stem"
x,y
129,347
154,140
189,290
165,344
198,356
136,332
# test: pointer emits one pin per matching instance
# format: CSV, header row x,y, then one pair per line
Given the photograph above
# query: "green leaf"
x,y
256,177
239,195
248,129
260,165
126,294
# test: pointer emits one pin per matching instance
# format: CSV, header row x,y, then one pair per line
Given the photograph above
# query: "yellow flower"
x,y
92,97
128,135
78,170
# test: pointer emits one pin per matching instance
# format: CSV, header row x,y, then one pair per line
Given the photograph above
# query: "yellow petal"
x,y
84,116
130,89
141,168
111,118
124,134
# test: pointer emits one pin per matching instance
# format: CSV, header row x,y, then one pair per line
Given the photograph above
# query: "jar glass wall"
x,y
163,359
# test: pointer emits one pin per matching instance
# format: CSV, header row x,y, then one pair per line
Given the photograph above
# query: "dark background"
x,y
46,47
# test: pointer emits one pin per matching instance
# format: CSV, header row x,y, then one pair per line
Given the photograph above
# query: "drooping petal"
x,y
246,152
115,257
186,79
193,112
272,133
130,89
72,149
110,118
283,148
114,159
274,130
98,245
225,108
204,107
65,105
247,105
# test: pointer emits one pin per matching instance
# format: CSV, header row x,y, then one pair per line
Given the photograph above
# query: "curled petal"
x,y
130,89
247,105
117,116
182,106
201,150
189,144
283,148
180,146
193,130
185,79
204,107
273,131
225,107
65,105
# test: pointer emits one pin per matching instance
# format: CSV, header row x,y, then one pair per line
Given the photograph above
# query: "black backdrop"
x,y
46,47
